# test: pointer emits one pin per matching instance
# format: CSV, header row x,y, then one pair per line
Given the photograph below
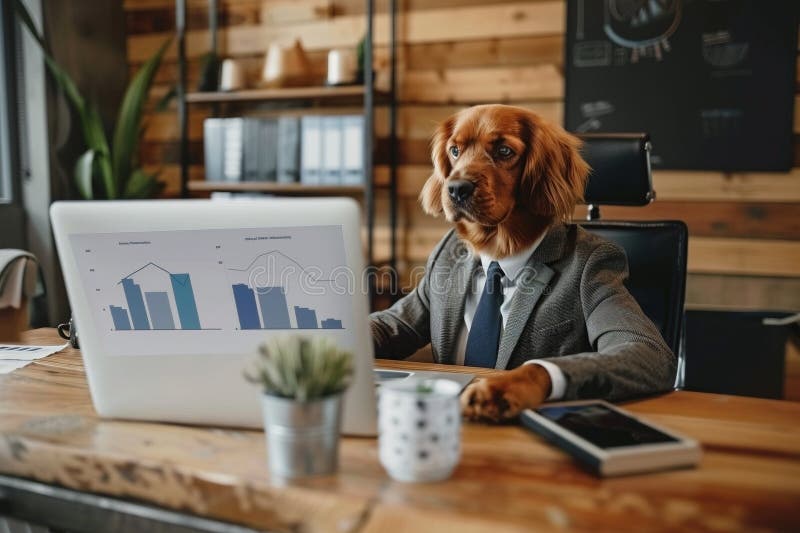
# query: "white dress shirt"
x,y
511,266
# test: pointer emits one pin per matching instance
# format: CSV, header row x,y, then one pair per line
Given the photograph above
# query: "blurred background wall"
x,y
745,227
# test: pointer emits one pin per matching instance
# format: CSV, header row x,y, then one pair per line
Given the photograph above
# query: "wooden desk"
x,y
508,479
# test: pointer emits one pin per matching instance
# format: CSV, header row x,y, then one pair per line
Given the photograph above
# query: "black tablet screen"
x,y
603,427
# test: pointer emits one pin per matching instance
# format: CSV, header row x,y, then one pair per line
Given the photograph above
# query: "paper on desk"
x,y
13,356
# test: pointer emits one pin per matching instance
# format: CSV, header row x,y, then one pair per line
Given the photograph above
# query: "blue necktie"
x,y
487,324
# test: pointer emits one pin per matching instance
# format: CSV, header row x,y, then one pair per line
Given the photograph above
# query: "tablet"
x,y
610,441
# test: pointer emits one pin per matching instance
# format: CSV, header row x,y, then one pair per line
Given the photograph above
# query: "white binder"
x,y
353,144
311,150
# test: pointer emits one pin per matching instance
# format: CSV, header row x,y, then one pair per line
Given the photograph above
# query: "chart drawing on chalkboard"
x,y
711,81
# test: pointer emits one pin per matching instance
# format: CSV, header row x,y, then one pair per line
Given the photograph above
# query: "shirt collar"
x,y
513,264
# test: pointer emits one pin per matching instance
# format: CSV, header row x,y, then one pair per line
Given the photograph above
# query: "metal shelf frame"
x,y
370,96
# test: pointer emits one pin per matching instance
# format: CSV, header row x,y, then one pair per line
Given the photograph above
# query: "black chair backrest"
x,y
733,352
657,265
656,250
620,169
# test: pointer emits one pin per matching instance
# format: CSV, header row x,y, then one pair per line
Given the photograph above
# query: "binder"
x,y
213,148
311,150
233,149
261,149
332,150
268,149
250,149
353,150
288,156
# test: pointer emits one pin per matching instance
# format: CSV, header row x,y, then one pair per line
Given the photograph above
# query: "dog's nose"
x,y
460,190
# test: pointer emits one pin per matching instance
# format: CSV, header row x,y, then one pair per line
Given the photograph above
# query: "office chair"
x,y
656,250
738,352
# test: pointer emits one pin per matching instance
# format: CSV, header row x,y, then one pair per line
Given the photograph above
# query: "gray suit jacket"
x,y
570,307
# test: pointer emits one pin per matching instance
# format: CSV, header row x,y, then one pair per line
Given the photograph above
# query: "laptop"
x,y
172,298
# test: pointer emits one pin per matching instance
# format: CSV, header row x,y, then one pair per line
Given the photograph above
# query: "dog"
x,y
519,186
509,181
518,174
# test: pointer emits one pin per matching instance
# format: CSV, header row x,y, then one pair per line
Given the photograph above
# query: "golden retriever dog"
x,y
503,176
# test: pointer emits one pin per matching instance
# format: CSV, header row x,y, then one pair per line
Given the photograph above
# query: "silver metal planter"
x,y
302,437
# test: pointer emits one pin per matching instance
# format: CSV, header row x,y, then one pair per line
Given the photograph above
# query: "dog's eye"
x,y
454,151
504,152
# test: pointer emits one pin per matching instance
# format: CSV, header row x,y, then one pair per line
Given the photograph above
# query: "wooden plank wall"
x,y
745,227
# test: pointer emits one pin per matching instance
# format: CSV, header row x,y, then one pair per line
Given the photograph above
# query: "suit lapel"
x,y
531,284
452,317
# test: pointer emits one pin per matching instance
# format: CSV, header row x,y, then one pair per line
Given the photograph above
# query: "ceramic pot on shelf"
x,y
286,66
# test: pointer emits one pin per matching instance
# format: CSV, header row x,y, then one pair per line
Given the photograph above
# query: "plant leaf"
x,y
91,125
209,72
302,368
164,101
61,77
95,138
140,185
93,130
84,172
27,20
126,131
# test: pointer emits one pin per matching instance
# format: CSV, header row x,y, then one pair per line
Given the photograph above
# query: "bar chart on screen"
x,y
153,309
260,294
214,290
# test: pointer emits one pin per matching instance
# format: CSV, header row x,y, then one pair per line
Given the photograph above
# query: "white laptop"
x,y
171,299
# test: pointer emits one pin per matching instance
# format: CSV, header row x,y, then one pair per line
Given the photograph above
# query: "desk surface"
x,y
508,479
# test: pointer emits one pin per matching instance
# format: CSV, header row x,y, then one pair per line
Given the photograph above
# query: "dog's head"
x,y
495,164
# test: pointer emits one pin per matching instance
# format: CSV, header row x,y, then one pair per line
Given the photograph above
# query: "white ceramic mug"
x,y
419,428
232,76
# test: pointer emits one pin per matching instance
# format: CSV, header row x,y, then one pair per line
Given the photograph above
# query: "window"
x,y
6,193
12,231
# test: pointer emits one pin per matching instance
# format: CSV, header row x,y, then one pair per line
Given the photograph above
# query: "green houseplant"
x,y
303,381
106,170
305,369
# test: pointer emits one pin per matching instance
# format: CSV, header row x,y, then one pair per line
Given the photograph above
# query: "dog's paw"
x,y
504,396
488,400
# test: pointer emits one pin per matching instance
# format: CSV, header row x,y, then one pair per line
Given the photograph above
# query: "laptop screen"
x,y
214,290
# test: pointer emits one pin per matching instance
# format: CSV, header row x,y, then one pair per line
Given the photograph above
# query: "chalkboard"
x,y
712,81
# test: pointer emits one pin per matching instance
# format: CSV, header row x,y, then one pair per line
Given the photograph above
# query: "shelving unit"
x,y
301,97
286,189
288,93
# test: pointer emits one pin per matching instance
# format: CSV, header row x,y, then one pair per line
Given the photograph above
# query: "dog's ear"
x,y
554,176
431,195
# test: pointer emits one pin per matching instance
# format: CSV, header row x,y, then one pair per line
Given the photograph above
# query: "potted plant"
x,y
303,380
107,170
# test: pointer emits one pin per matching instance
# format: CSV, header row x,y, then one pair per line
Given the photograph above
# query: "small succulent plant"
x,y
425,387
301,368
